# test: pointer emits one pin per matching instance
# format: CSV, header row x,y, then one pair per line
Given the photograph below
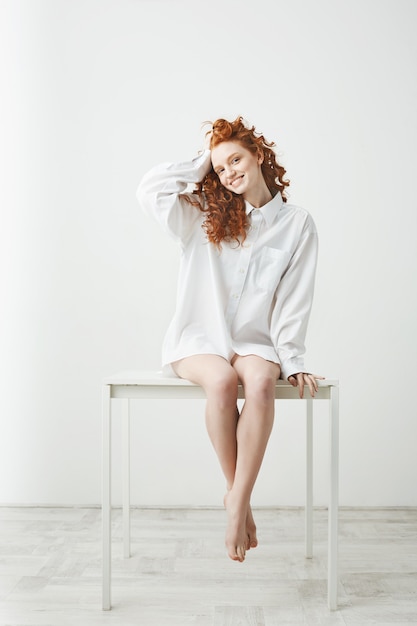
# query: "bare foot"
x,y
252,541
251,529
241,529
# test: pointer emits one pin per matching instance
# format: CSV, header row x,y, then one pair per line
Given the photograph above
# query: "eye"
x,y
236,160
220,171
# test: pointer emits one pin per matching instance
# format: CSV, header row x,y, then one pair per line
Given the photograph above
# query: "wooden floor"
x,y
50,569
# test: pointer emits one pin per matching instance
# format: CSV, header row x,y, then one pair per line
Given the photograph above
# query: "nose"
x,y
230,171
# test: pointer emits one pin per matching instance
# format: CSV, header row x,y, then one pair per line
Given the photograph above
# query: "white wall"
x,y
94,92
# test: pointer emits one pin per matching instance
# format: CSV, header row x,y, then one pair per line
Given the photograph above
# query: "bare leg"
x,y
254,428
219,380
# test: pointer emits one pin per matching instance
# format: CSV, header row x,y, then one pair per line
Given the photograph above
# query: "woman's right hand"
x,y
207,140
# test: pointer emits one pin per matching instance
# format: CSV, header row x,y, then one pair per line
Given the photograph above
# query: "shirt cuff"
x,y
292,366
202,164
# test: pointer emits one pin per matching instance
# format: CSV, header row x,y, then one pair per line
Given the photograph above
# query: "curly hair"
x,y
226,218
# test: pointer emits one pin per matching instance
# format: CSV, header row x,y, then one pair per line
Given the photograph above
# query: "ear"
x,y
260,157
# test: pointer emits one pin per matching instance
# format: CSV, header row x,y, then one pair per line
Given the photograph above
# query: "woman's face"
x,y
237,168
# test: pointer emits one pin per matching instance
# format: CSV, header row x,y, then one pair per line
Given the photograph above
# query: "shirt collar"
x,y
269,210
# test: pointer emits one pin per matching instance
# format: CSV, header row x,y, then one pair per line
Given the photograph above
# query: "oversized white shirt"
x,y
253,298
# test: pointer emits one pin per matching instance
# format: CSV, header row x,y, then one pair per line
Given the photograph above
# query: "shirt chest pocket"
x,y
272,263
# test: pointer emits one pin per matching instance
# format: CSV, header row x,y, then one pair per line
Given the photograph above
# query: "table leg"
x,y
126,476
106,498
309,480
334,499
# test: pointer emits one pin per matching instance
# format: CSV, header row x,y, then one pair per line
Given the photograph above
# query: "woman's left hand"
x,y
302,378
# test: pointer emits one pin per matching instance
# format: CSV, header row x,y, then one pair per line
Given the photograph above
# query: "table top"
x,y
157,378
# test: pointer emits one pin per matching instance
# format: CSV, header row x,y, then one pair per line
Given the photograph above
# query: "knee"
x,y
261,389
222,388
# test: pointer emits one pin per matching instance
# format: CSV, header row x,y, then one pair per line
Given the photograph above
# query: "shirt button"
x,y
235,296
241,271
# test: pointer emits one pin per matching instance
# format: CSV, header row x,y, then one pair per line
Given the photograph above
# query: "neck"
x,y
258,197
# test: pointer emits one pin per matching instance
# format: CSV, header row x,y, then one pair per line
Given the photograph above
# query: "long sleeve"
x,y
159,194
294,298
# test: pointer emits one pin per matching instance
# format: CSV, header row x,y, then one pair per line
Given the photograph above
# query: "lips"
x,y
236,180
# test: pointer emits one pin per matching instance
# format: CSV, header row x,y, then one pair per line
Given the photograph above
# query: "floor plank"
x,y
50,569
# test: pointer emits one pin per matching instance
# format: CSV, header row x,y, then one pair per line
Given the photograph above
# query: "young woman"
x,y
244,296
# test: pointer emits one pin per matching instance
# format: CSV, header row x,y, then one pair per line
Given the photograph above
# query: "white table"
x,y
140,385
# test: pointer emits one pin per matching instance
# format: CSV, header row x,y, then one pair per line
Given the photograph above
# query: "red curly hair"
x,y
226,218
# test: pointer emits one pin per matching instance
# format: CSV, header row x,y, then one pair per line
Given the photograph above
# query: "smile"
x,y
236,180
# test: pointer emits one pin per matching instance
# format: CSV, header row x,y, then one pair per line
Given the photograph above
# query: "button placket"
x,y
242,267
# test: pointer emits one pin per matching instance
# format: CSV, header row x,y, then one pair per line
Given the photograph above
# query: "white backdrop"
x,y
95,92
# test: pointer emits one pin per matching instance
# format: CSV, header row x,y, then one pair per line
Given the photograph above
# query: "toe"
x,y
241,552
233,554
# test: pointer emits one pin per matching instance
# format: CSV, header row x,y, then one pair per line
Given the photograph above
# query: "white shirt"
x,y
249,299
